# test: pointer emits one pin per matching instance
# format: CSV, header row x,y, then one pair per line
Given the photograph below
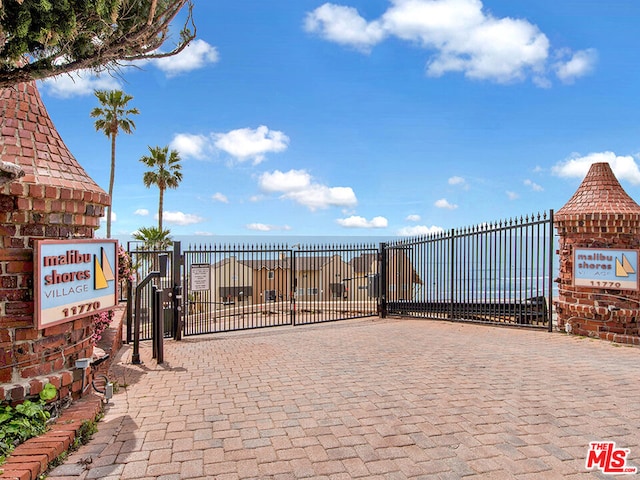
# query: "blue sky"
x,y
370,117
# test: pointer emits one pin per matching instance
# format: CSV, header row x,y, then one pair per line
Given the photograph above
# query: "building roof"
x,y
29,139
268,264
599,192
303,262
364,262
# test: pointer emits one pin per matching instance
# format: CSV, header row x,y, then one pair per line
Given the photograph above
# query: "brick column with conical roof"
x,y
44,194
600,215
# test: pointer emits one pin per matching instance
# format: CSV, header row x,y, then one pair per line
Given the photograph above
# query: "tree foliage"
x,y
166,173
112,118
153,238
43,38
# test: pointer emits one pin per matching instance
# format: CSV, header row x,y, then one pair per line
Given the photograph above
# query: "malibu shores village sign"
x,y
605,268
74,279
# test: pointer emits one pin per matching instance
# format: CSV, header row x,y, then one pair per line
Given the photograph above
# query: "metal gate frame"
x,y
267,286
498,273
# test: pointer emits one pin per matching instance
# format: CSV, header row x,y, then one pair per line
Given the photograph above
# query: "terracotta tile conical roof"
x,y
29,139
599,192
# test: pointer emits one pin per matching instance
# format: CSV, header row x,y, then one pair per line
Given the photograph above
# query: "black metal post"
x,y
155,323
382,284
176,297
160,320
129,310
135,356
550,305
452,261
294,287
158,324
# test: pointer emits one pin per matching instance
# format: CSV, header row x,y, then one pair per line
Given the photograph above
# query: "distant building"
x,y
231,283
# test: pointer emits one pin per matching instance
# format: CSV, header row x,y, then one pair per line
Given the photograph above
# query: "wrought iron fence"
x,y
237,287
334,282
493,273
497,273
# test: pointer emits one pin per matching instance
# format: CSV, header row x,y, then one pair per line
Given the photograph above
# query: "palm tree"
x,y
153,241
166,173
153,238
113,117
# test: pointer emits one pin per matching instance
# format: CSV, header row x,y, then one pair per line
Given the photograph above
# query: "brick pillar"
x,y
53,199
600,215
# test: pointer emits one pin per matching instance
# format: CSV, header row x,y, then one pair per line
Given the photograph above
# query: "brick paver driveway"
x,y
368,398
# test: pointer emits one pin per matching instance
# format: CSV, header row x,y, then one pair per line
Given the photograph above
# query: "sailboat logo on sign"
x,y
103,273
624,267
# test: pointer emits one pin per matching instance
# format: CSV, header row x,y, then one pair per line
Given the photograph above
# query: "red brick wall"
x,y
585,311
30,357
54,199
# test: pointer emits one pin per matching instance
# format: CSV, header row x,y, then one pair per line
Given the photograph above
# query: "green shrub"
x,y
24,421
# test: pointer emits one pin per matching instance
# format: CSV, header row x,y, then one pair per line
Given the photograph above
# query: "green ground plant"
x,y
24,421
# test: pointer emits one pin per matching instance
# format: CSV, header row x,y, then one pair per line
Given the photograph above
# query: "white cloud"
x,y
143,212
297,185
196,55
413,218
624,167
420,230
458,182
246,144
83,82
320,196
534,186
179,218
444,203
541,81
344,25
243,144
191,146
512,195
502,50
360,222
460,34
220,197
203,234
78,84
114,217
285,181
263,227
260,227
580,64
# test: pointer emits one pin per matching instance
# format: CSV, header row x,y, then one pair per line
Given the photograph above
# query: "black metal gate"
x,y
498,273
238,287
235,287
